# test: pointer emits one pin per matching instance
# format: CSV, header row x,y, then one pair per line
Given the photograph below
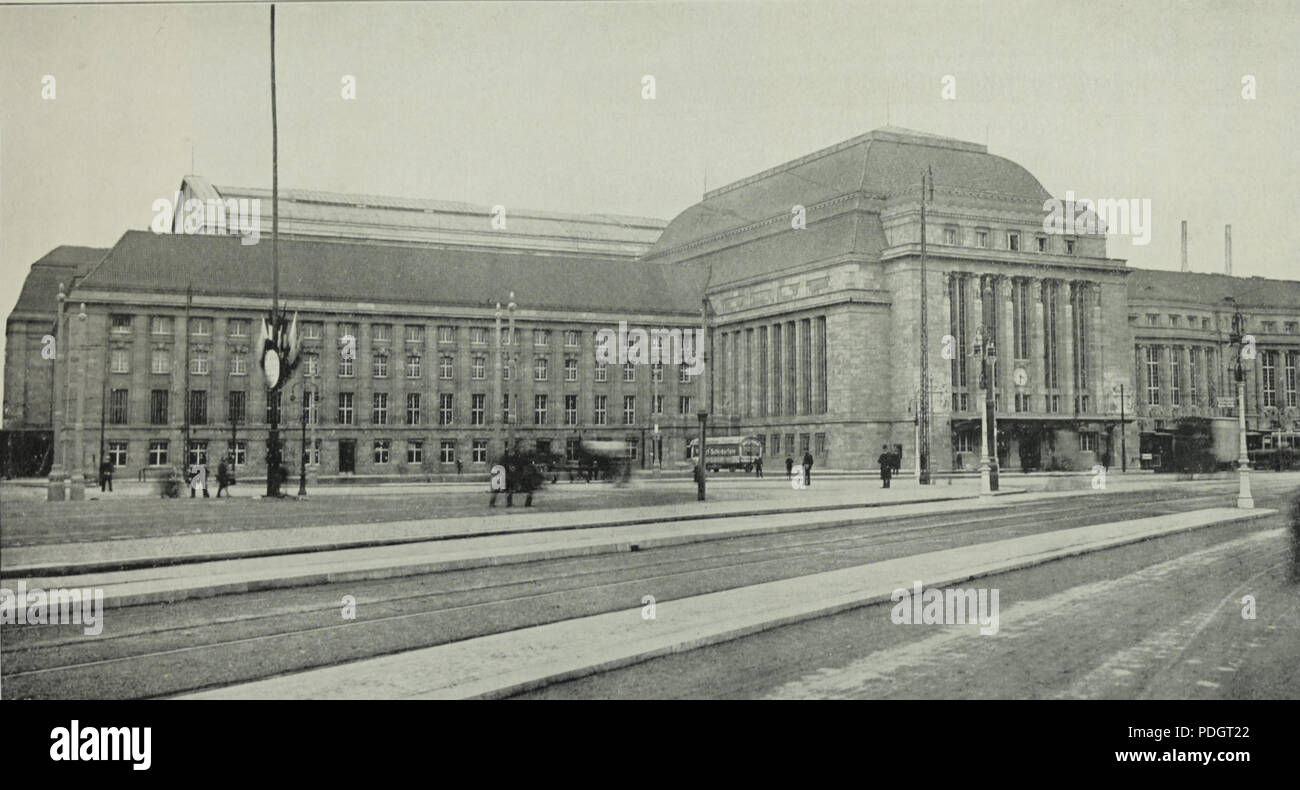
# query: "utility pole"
x,y
54,489
185,333
705,397
1237,341
78,487
515,373
927,183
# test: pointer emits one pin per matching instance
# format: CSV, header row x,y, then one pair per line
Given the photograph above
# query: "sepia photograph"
x,y
756,350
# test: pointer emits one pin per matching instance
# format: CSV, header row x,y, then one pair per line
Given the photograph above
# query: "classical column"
x,y
1038,370
1065,342
1006,341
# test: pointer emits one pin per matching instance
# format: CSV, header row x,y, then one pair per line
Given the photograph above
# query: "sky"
x,y
540,105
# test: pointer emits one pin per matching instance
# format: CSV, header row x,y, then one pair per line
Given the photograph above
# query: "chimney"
x,y
1185,247
1227,250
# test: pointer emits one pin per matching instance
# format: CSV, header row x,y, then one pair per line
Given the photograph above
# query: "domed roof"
x,y
886,162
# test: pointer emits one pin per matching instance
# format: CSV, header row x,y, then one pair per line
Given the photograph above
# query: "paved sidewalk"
x,y
224,577
62,559
508,663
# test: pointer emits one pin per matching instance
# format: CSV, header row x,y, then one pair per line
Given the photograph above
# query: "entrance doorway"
x,y
347,456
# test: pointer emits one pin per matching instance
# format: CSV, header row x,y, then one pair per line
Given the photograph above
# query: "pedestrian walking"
x,y
886,461
807,468
223,477
758,467
497,483
106,475
459,466
199,479
789,466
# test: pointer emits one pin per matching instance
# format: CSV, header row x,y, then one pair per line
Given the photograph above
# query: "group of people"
x,y
515,473
196,477
807,468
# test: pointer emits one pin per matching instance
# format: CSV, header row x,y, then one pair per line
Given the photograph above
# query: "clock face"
x,y
1021,377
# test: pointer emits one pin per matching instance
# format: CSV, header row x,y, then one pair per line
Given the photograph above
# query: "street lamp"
x,y
987,352
1238,341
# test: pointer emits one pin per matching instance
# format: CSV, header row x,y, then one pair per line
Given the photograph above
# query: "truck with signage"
x,y
728,452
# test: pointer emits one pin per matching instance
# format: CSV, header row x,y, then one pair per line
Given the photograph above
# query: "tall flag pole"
x,y
273,416
923,397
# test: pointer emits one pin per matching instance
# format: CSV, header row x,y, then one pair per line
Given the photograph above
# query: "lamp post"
x,y
77,488
1238,341
987,352
923,403
301,387
512,416
54,490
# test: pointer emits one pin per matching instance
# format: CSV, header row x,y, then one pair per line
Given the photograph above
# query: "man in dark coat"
x,y
886,461
789,466
106,475
807,469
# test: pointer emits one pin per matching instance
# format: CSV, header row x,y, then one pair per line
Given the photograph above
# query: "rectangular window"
x,y
507,416
1291,359
1268,369
684,405
478,367
683,374
382,333
1173,320
198,407
1013,240
570,369
415,452
1069,246
477,408
312,330
345,367
158,407
570,409
478,335
444,408
160,361
413,366
201,327
982,238
117,453
602,372
629,372
657,404
776,444
1041,243
120,361
479,451
414,333
119,324
236,406
239,327
819,444
1088,441
380,366
238,364
379,408
506,339
950,236
160,325
965,441
1153,375
117,407
157,452
571,338
1153,319
311,402
446,334
412,408
446,365
199,365
656,372
539,410
1175,375
1193,377
238,449
383,450
541,337
629,409
312,363
447,451
598,409
345,409
198,452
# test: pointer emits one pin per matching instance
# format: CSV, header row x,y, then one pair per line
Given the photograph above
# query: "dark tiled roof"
x,y
886,161
61,265
1210,289
368,272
